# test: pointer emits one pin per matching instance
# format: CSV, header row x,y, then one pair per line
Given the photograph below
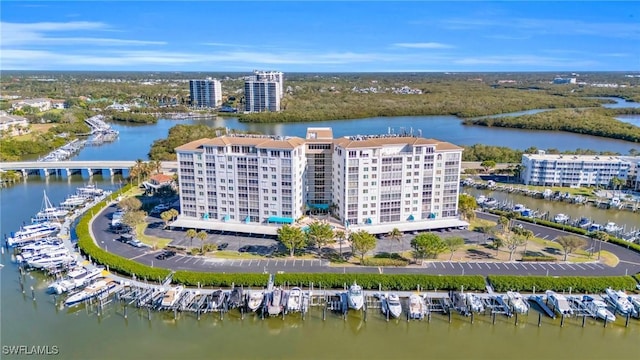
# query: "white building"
x,y
572,170
261,96
41,104
16,124
205,93
373,183
276,76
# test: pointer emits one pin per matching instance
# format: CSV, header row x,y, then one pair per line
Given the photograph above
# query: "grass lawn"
x,y
155,242
228,254
478,223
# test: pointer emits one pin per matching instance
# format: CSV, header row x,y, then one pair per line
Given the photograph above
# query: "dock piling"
x,y
125,310
516,321
626,322
562,321
584,319
33,294
493,320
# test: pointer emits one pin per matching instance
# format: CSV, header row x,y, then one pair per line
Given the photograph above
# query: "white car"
x,y
160,208
137,243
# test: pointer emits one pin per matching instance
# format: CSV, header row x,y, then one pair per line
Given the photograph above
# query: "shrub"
x,y
539,258
384,262
578,284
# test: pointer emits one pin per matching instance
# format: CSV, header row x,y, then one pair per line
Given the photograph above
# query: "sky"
x,y
305,36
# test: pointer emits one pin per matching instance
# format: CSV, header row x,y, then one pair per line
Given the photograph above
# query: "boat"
x,y
255,300
47,261
417,307
98,288
235,298
559,303
584,223
89,190
542,306
481,199
611,227
621,301
75,278
390,305
519,208
218,299
598,308
73,201
517,302
171,297
355,297
49,212
30,233
294,301
274,307
46,242
635,301
45,250
490,202
594,227
474,303
561,218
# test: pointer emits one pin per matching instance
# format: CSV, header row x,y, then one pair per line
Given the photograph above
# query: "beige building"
x,y
14,124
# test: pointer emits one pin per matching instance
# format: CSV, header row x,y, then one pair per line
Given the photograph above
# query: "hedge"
x,y
538,258
578,284
384,262
571,229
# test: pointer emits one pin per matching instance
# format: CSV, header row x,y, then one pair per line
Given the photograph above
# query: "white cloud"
x,y
424,45
533,61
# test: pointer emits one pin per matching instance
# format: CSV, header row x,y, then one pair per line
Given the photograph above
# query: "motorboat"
x,y
598,308
89,190
355,296
98,288
490,202
594,227
517,302
390,305
235,298
621,301
46,250
417,307
31,233
474,303
46,261
635,301
75,278
274,308
73,201
481,199
49,212
611,227
584,223
519,208
171,297
255,300
559,303
294,301
45,242
561,218
218,299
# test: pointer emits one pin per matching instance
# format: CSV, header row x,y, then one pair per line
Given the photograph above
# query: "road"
x,y
629,261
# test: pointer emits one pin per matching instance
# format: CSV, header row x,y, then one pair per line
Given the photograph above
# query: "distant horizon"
x,y
321,37
248,72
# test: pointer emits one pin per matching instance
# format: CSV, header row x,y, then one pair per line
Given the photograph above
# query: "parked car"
x,y
165,254
248,248
137,243
160,208
222,246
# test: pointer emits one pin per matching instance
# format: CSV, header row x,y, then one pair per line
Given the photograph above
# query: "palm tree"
x,y
395,234
156,166
202,235
191,233
340,235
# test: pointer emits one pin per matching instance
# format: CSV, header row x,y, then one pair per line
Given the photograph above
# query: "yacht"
x,y
294,301
72,201
355,297
635,301
561,218
90,190
172,296
31,233
481,199
255,300
475,303
620,300
390,305
417,307
49,212
517,302
43,243
584,223
519,208
218,298
75,278
490,202
598,308
559,303
594,227
96,289
611,227
45,250
46,261
274,308
235,298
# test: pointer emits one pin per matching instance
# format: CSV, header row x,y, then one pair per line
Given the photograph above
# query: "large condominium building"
x,y
261,96
205,93
373,183
573,170
276,76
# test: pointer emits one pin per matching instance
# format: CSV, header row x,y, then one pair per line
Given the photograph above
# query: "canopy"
x,y
281,220
369,221
318,206
226,218
247,219
410,218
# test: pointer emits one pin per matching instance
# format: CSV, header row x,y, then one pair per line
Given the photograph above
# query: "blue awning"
x,y
205,216
410,218
226,218
280,220
318,206
247,220
432,216
369,221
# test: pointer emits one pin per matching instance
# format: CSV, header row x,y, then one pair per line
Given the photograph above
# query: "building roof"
x,y
261,142
353,142
574,158
161,178
319,133
6,118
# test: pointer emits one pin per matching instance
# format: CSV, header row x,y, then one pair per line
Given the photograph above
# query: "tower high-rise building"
x,y
205,93
261,96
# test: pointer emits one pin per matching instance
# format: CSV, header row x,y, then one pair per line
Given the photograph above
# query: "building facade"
x,y
272,76
205,93
261,96
387,180
573,170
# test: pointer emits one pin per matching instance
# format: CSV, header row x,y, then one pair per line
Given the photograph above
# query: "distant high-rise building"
x,y
205,93
276,76
261,96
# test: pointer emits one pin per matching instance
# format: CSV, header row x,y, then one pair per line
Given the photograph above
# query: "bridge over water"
x,y
72,167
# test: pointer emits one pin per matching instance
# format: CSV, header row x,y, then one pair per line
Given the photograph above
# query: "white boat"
x,y
517,302
98,288
559,303
620,300
490,202
355,297
481,199
294,301
30,233
172,296
519,208
75,279
611,227
635,301
275,307
89,190
72,202
475,303
598,308
417,307
594,227
46,242
561,218
45,261
45,250
390,305
255,300
584,223
49,212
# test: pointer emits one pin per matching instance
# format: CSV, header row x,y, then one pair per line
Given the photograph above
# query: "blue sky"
x,y
320,36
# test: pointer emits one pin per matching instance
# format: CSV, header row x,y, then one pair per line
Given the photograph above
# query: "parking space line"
x,y
469,264
532,266
551,266
251,261
450,263
441,264
578,265
285,262
294,262
598,266
241,262
488,267
302,264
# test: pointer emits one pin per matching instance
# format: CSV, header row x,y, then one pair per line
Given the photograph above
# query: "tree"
x,y
570,243
512,241
292,238
602,236
174,213
130,204
427,245
133,218
616,183
166,217
156,166
467,206
320,234
453,243
488,165
504,223
497,242
138,170
340,235
191,233
395,234
202,236
361,243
